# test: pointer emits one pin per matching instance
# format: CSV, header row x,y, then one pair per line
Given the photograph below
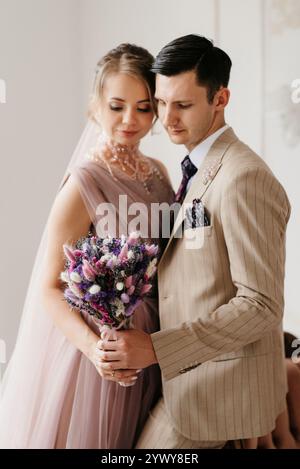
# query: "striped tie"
x,y
188,170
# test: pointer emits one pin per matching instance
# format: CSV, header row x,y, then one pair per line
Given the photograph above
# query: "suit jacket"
x,y
220,347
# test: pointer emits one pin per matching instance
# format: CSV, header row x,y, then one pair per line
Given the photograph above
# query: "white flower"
x,y
85,246
151,269
130,255
75,277
76,290
94,289
120,307
105,258
118,303
115,259
64,276
120,286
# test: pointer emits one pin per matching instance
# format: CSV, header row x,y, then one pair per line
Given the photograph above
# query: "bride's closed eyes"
x,y
119,108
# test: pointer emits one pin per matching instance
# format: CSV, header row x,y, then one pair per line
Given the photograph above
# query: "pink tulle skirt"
x,y
53,396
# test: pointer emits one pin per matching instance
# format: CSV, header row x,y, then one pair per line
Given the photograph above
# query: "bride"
x,y
53,395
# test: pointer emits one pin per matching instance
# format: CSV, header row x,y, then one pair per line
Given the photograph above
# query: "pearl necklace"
x,y
128,159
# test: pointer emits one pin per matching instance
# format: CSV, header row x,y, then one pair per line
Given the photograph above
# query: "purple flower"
x,y
129,311
125,298
108,278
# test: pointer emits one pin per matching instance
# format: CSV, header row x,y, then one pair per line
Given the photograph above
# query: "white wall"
x,y
40,62
240,35
282,130
48,53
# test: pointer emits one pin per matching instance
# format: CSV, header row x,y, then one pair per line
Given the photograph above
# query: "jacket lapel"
x,y
209,168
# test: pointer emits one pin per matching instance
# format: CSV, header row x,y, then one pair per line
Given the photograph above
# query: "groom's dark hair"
x,y
192,52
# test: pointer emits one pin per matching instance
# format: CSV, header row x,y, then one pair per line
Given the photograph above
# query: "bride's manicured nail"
x,y
138,371
134,378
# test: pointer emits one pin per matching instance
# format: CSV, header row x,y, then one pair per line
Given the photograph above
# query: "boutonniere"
x,y
210,172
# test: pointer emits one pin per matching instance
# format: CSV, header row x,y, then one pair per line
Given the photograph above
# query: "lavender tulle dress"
x,y
52,395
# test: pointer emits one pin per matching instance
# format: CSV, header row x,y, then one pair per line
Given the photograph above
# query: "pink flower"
x,y
69,253
131,290
99,265
151,250
146,288
133,238
123,253
128,281
88,270
101,309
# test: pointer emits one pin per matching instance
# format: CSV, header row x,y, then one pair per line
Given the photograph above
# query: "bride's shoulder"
x,y
90,168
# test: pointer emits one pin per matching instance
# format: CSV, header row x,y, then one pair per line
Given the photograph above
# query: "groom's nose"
x,y
169,117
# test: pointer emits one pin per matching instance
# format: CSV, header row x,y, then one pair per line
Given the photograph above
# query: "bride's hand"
x,y
123,377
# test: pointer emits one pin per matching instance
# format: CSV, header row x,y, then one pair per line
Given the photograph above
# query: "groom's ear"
x,y
221,98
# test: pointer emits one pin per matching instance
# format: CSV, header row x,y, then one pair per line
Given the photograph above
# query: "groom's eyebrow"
x,y
185,100
123,100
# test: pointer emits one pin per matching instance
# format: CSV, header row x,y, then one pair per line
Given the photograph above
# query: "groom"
x,y
220,347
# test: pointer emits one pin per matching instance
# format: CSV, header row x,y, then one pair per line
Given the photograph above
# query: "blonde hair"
x,y
126,58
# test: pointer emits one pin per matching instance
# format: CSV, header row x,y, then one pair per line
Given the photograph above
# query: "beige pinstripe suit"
x,y
220,347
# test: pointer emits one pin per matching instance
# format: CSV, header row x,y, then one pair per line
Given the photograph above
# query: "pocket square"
x,y
196,216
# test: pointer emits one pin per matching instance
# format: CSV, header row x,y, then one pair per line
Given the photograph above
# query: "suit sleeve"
x,y
254,211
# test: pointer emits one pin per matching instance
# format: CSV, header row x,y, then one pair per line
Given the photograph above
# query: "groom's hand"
x,y
133,349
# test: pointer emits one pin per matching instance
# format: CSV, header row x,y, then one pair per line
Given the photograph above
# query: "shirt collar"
x,y
200,151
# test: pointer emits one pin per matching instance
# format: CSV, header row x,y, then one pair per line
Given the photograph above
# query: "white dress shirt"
x,y
198,154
